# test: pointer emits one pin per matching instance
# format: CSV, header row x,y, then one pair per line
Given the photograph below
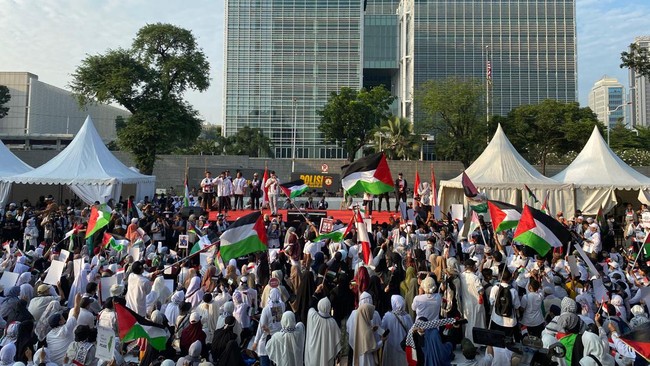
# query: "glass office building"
x,y
531,46
283,59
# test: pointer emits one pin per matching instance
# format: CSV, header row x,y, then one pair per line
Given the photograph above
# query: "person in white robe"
x,y
364,298
287,346
269,323
194,293
323,340
138,288
366,341
163,291
472,297
80,282
208,316
173,309
399,322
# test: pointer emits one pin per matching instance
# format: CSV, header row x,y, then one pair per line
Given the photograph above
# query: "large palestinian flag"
x,y
477,201
639,340
246,235
99,217
295,188
540,231
367,175
132,326
504,215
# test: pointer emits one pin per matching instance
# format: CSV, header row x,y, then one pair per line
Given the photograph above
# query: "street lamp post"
x,y
293,143
609,112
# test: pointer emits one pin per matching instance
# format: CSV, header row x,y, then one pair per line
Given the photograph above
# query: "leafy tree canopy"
x,y
637,59
5,97
396,138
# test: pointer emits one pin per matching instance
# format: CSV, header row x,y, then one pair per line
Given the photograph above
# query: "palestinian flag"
x,y
201,244
132,326
362,238
639,340
645,248
295,188
544,207
335,236
540,231
133,210
476,200
99,217
531,194
186,194
504,215
108,240
246,235
367,175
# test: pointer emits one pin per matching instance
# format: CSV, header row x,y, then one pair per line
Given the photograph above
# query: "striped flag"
x,y
370,174
434,189
132,326
544,207
531,194
186,197
477,201
265,189
488,72
294,189
416,185
540,231
504,216
363,238
246,235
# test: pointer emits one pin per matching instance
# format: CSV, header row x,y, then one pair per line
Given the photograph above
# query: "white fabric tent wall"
x,y
88,168
11,165
597,173
501,172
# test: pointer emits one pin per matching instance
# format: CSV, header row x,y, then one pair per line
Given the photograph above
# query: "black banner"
x,y
320,182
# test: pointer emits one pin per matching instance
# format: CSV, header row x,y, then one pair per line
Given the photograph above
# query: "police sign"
x,y
319,181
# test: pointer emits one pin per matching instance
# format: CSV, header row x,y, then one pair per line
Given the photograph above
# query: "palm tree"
x,y
396,138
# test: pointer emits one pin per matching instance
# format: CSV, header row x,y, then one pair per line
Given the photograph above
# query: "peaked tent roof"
x,y
85,161
598,166
11,164
501,165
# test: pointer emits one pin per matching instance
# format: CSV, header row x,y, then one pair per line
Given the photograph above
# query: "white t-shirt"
x,y
312,248
427,306
532,304
498,319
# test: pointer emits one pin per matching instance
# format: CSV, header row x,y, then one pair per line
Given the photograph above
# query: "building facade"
x,y
43,115
283,58
607,100
640,91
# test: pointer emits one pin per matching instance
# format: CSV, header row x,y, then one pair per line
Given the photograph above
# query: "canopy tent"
x,y
501,173
88,168
10,166
597,173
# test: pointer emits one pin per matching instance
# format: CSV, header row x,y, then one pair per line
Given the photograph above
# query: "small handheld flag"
x,y
531,194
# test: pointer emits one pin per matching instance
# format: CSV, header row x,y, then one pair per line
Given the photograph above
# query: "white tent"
x,y
10,166
501,173
599,175
88,168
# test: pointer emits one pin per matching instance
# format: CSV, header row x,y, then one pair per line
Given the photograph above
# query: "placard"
x,y
586,259
170,285
457,213
53,273
105,344
9,279
77,265
573,265
135,253
64,255
326,226
105,287
600,292
183,241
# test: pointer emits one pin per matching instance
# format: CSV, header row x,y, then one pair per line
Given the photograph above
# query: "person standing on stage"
x,y
400,191
239,186
208,191
219,186
273,184
255,187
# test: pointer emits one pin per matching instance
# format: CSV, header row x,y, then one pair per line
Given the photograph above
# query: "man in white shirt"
x,y
239,185
228,191
593,244
505,323
272,184
208,191
138,288
219,186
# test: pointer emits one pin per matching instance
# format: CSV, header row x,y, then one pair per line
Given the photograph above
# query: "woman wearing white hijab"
x,y
323,336
364,298
194,291
7,354
594,353
269,324
173,309
366,343
163,292
42,357
26,289
399,322
80,282
287,346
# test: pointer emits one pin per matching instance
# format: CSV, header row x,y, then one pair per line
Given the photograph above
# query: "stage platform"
x,y
344,215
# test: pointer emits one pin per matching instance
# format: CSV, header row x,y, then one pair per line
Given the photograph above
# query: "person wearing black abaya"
x,y
376,290
342,298
221,343
304,295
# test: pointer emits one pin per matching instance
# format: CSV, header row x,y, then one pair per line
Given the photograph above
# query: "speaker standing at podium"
x,y
208,190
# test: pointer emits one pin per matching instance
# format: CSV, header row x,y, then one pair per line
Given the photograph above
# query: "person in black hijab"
x,y
342,298
304,295
222,344
376,290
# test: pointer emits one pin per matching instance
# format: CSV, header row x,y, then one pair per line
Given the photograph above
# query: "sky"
x,y
50,38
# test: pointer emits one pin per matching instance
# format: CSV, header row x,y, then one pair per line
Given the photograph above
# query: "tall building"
x,y
607,100
530,46
640,91
283,59
45,116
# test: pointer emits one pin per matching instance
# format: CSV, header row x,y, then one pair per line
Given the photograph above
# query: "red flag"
x,y
265,190
434,189
362,238
416,186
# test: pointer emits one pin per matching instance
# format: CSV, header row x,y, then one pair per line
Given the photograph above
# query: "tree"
x,y
249,141
149,80
637,59
622,138
396,138
349,117
455,114
550,127
5,97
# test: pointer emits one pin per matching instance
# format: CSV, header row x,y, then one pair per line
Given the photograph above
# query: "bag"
x,y
503,303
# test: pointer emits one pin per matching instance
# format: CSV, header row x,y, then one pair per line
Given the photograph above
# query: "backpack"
x,y
503,303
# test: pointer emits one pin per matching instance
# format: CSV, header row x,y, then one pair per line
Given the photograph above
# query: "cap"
x,y
195,317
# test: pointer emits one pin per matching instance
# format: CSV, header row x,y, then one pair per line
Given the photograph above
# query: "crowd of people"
x,y
414,300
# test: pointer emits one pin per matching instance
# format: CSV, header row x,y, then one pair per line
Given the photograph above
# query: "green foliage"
x,y
210,132
637,59
149,80
350,116
455,114
249,141
622,138
5,97
634,157
550,127
396,138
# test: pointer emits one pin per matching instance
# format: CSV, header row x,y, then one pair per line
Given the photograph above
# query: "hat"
x,y
43,289
613,264
568,305
117,290
195,317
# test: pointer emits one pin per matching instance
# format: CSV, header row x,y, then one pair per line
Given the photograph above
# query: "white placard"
x,y
585,258
168,270
105,344
105,287
77,265
368,222
135,253
423,244
170,285
54,273
600,292
573,265
64,255
183,241
9,279
203,260
457,213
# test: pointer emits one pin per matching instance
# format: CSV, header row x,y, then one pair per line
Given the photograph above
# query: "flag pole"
x,y
642,249
488,77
